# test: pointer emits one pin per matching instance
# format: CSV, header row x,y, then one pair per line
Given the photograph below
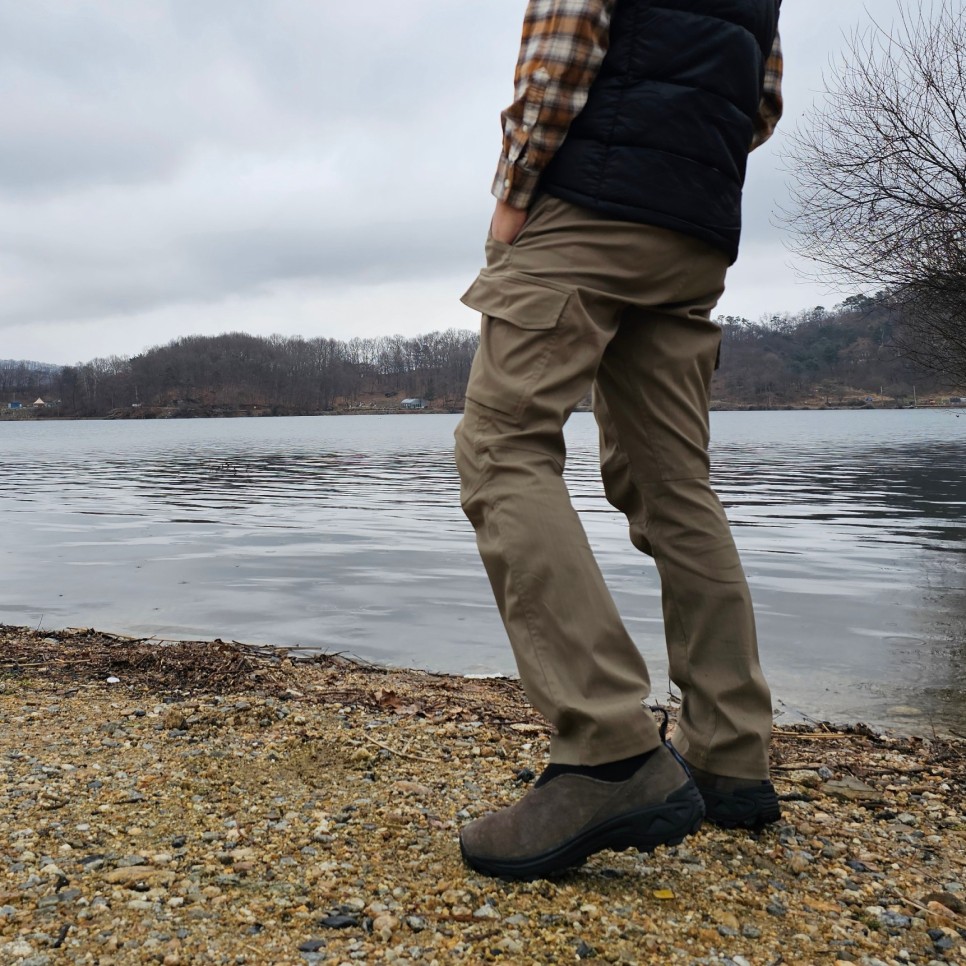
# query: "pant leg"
x,y
577,663
651,403
552,303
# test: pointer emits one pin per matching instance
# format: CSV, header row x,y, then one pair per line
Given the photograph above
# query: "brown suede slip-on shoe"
x,y
559,824
736,802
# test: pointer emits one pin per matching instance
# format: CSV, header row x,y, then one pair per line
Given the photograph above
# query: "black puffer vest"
x,y
665,133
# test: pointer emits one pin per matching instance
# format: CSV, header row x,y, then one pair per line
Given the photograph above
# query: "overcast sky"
x,y
174,167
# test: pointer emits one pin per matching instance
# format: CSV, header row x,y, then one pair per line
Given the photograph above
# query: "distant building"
x,y
14,405
39,403
414,404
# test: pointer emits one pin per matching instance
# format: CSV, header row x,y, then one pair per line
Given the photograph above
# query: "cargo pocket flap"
x,y
520,301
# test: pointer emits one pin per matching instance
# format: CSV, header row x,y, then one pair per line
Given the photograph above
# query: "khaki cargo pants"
x,y
579,302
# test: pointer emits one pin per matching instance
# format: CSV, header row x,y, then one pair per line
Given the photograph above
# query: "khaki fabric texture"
x,y
579,302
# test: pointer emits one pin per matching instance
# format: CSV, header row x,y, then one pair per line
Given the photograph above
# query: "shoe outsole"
x,y
752,807
645,829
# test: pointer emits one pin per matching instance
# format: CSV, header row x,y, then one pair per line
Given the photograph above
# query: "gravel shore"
x,y
212,803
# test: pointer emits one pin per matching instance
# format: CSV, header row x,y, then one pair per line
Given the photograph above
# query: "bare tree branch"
x,y
880,177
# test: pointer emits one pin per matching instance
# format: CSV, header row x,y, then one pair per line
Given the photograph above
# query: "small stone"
x,y
804,776
727,919
851,790
416,789
18,949
134,875
750,932
486,912
895,920
775,909
174,719
338,922
312,946
141,905
947,901
384,926
585,952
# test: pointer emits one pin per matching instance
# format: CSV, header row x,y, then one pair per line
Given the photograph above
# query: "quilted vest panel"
x,y
664,136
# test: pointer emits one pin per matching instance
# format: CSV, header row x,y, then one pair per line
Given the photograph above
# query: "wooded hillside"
x,y
816,358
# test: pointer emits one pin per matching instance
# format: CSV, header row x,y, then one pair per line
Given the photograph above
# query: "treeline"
x,y
826,355
281,374
817,357
26,381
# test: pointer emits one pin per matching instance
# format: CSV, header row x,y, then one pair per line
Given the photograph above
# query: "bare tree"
x,y
880,177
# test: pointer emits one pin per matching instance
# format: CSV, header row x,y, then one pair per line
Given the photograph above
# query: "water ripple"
x,y
335,532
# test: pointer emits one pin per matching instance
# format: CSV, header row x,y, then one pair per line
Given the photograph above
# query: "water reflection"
x,y
345,533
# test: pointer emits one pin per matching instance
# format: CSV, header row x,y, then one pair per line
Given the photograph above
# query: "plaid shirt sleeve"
x,y
770,108
564,43
563,46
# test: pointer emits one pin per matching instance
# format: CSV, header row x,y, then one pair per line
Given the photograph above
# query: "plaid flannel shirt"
x,y
564,43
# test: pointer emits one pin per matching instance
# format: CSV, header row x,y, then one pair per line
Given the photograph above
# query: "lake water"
x,y
345,534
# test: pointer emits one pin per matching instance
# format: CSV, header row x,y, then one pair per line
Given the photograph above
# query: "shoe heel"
x,y
680,816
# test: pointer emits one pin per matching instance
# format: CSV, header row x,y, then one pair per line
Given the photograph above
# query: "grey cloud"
x,y
161,153
172,152
100,92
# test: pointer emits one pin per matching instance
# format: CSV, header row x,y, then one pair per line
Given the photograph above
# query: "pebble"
x,y
486,912
312,946
851,790
895,920
384,926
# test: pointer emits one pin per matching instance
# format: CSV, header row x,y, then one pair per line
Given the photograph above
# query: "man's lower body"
x,y
580,302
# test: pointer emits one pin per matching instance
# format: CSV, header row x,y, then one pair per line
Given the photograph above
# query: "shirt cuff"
x,y
515,184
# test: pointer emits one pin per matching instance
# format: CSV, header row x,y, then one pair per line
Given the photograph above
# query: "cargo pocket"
x,y
517,339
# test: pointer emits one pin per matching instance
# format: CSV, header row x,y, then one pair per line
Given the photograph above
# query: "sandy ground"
x,y
199,803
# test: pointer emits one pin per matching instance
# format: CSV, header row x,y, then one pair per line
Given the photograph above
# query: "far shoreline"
x,y
155,414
